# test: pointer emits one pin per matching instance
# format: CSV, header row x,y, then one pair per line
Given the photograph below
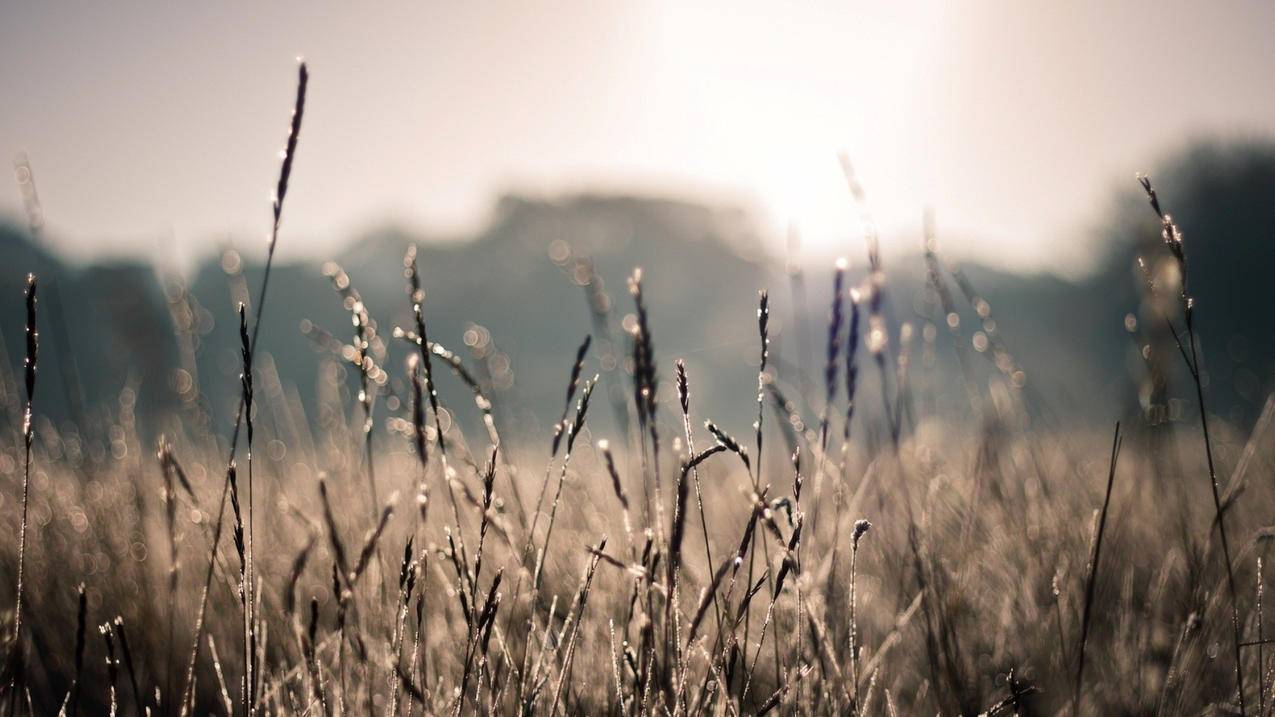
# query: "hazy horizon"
x,y
160,130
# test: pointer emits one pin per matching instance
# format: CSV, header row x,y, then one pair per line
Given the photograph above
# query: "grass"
x,y
932,566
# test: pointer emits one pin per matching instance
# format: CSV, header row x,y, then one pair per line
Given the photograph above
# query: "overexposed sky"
x,y
154,127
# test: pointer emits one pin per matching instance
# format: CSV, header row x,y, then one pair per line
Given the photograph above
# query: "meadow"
x,y
837,550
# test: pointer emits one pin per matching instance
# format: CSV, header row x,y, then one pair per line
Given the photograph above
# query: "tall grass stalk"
x,y
582,600
1091,579
276,205
573,432
684,402
250,576
645,386
1172,238
861,528
281,191
421,339
28,437
560,429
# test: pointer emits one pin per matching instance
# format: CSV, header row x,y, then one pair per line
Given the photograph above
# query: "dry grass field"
x,y
838,550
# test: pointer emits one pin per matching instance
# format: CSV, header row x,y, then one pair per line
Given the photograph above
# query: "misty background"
x,y
536,154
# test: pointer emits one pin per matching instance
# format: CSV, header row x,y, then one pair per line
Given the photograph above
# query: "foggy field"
x,y
622,451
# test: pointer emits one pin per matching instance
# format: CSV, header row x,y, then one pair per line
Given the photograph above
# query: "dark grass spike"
x,y
683,388
245,375
406,568
786,415
789,563
250,582
28,437
65,358
763,333
763,320
312,656
488,617
169,463
798,482
310,646
1172,237
462,575
836,319
561,426
334,533
484,522
232,475
861,528
1091,578
852,367
617,486
122,636
312,631
290,150
370,542
726,441
420,431
420,436
645,388
281,191
294,576
245,592
646,382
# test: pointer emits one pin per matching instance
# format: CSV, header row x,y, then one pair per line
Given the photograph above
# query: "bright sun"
x,y
775,127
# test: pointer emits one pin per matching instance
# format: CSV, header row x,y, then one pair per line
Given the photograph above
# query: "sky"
x,y
154,128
